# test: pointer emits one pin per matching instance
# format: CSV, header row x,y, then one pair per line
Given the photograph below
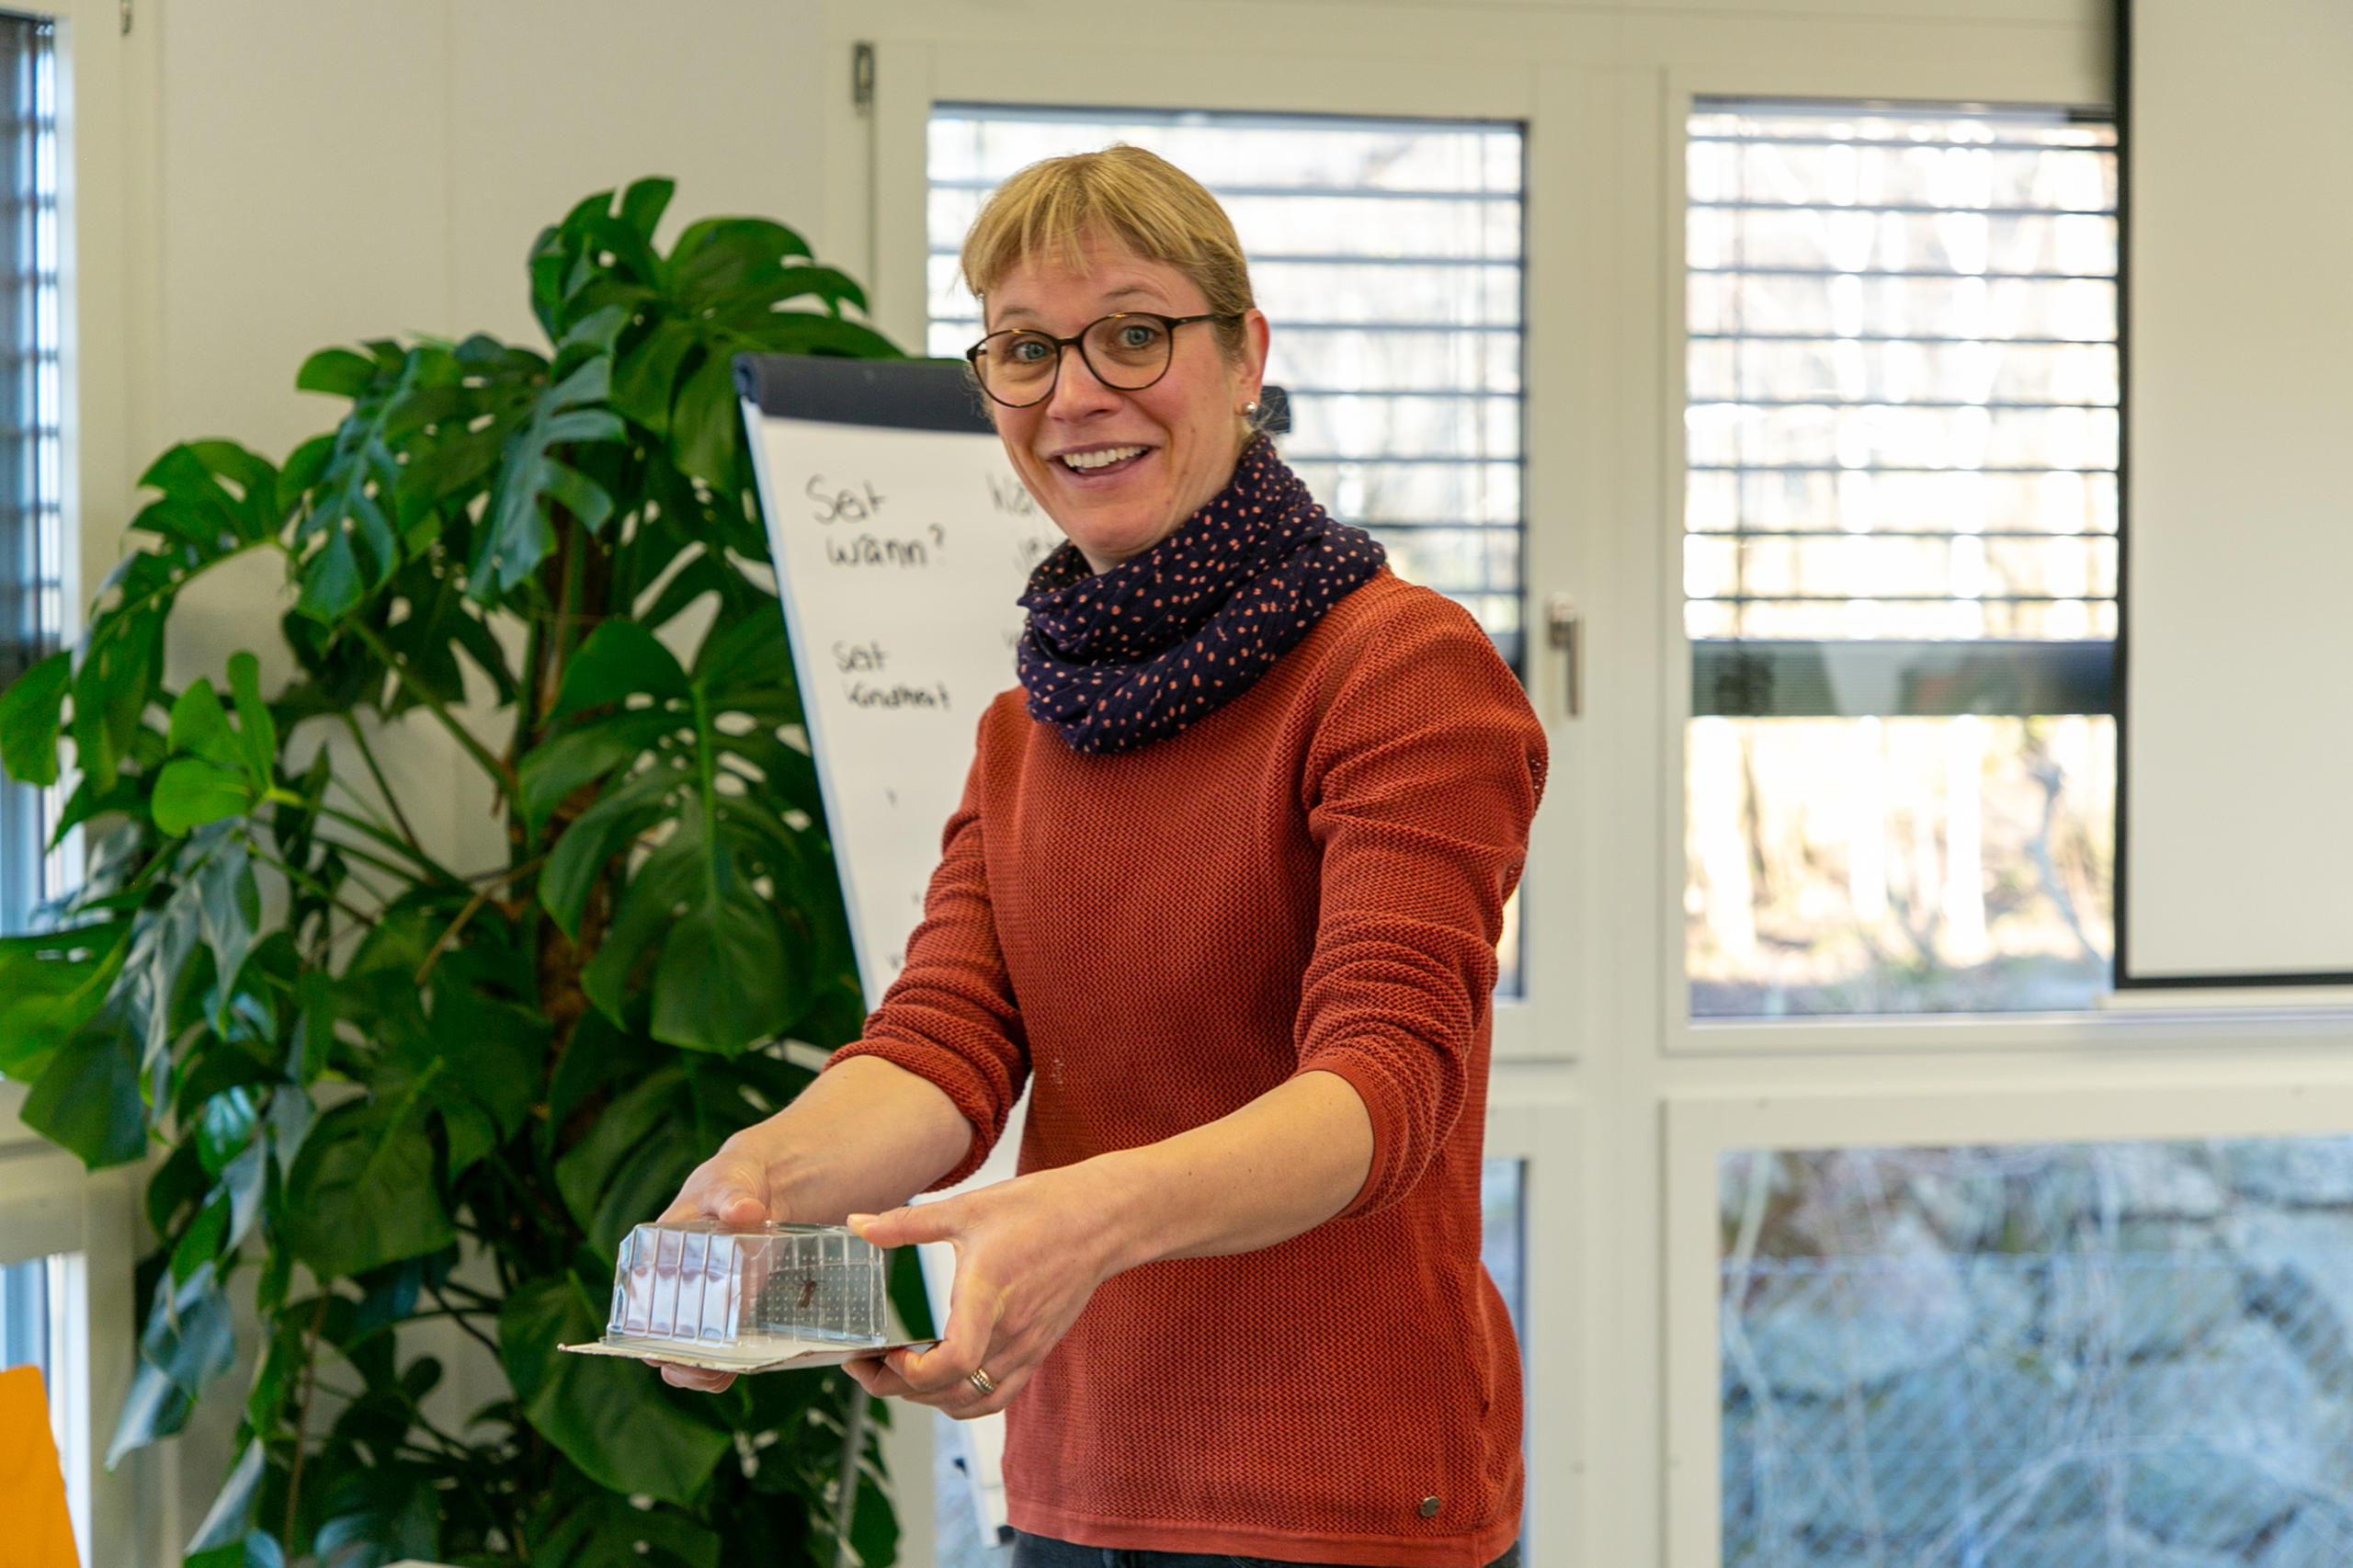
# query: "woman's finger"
x,y
963,1345
871,1375
699,1378
962,1400
729,1189
1008,1364
909,1226
980,1403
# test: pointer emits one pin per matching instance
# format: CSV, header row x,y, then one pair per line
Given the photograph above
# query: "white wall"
x,y
328,173
335,171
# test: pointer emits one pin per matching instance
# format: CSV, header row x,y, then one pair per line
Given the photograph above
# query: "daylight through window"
x,y
1900,557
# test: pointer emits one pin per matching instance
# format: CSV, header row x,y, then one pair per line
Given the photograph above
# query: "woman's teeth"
x,y
1085,460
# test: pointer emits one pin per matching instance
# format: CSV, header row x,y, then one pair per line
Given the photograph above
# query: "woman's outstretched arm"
x,y
1031,1252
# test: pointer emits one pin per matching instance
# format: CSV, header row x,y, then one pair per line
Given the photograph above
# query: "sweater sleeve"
x,y
951,1017
1424,774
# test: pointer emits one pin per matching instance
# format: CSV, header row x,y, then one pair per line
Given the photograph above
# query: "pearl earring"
x,y
1250,408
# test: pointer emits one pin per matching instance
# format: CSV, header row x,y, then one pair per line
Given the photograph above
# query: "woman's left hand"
x,y
1029,1252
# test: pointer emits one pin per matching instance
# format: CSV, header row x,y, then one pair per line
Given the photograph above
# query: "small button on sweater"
x,y
1311,878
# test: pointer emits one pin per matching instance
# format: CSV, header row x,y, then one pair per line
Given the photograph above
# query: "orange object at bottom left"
x,y
38,1532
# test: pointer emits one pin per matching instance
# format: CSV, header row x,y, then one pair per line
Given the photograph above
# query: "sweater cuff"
x,y
952,1077
1387,1111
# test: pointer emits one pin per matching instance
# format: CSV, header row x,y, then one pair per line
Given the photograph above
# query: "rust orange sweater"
x,y
1309,879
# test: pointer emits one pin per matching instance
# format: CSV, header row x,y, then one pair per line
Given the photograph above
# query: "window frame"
x,y
2082,673
50,1207
23,809
2282,1017
911,78
108,324
2263,1101
1532,1115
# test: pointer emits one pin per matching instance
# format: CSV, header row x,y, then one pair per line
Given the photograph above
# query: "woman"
x,y
1224,888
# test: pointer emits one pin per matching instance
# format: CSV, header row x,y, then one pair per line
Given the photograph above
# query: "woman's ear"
x,y
1253,376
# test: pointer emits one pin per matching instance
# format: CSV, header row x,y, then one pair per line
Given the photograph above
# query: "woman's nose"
x,y
1077,392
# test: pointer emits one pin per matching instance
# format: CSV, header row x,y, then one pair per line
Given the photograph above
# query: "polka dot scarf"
x,y
1119,660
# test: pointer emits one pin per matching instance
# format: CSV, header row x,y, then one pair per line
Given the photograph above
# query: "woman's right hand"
x,y
730,1190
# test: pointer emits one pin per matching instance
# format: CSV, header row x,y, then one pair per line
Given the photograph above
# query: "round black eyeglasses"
x,y
1127,351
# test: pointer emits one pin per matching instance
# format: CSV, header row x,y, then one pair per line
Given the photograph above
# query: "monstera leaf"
x,y
704,948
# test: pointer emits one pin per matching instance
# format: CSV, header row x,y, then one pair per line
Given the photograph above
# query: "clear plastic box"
x,y
749,1296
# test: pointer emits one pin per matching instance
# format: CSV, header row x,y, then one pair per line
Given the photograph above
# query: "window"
x,y
1387,254
1503,1239
24,1316
31,450
41,1312
1900,557
2050,1355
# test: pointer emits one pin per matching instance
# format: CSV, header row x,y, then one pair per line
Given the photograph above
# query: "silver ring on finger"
x,y
982,1381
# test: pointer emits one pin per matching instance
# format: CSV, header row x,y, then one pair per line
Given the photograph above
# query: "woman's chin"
x,y
1108,540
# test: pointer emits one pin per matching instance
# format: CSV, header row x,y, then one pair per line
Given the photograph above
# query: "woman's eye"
x,y
1136,335
1026,351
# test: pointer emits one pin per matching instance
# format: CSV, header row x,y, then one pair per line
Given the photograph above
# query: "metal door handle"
x,y
1565,628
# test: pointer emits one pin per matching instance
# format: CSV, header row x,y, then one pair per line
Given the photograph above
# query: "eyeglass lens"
x,y
1128,353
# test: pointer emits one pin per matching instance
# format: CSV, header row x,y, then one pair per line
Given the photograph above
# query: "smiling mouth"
x,y
1102,461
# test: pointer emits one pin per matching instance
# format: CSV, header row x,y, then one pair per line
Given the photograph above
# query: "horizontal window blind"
x,y
31,401
1386,254
1902,420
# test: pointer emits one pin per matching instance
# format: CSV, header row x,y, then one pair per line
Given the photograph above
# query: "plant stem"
x,y
488,879
459,1318
707,773
845,1503
505,873
302,1415
502,775
367,755
378,862
450,934
292,874
421,865
557,1220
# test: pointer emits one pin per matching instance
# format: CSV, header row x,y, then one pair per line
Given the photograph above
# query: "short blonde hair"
x,y
1121,193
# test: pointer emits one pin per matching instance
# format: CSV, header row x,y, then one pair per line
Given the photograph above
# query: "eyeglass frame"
x,y
1079,341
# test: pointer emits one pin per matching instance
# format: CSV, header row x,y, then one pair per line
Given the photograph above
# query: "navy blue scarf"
x,y
1119,659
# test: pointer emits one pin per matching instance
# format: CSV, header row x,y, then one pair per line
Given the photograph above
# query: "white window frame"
x,y
911,78
50,1207
2138,1022
2249,1099
1531,1117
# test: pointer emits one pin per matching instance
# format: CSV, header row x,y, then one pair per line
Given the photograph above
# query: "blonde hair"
x,y
1121,193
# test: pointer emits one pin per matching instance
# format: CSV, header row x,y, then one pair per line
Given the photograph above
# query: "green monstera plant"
x,y
382,1089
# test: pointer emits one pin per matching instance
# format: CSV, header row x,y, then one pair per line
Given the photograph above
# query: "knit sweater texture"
x,y
1311,878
